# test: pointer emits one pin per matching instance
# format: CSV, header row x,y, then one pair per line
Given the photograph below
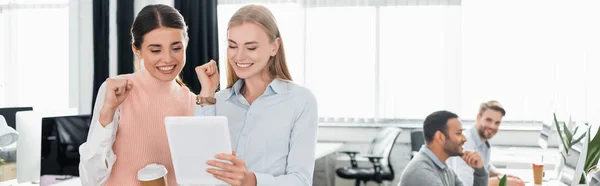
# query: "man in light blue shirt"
x,y
486,126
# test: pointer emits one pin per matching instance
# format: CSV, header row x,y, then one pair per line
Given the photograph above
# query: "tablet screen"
x,y
193,140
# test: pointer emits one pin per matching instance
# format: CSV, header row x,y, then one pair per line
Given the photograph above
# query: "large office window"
x,y
362,60
535,64
341,51
376,59
35,53
2,59
414,42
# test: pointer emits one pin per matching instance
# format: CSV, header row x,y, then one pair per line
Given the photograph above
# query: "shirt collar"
x,y
277,86
477,139
433,157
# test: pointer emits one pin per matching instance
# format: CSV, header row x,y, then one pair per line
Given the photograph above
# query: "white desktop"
x,y
571,171
29,127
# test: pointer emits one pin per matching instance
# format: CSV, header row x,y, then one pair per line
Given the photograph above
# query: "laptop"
x,y
193,140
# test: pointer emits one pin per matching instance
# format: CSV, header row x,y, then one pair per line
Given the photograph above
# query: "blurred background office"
x,y
375,66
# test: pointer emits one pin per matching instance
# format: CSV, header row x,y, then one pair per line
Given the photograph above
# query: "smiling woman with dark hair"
x,y
127,130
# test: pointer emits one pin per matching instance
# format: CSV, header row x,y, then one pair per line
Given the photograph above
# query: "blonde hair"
x,y
261,16
492,104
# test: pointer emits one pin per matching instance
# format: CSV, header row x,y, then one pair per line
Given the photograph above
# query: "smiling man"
x,y
444,138
486,126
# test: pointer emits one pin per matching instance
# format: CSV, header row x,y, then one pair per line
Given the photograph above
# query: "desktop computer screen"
x,y
60,141
29,127
61,138
10,112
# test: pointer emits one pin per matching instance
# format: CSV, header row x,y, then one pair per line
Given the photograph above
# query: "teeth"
x,y
166,67
244,65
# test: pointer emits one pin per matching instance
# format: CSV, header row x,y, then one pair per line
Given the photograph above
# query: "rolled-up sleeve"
x,y
97,156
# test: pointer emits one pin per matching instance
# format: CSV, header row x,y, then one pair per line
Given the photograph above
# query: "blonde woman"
x,y
272,121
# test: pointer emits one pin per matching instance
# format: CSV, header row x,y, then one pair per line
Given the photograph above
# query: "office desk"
x,y
325,148
523,157
324,163
322,150
527,174
75,181
71,182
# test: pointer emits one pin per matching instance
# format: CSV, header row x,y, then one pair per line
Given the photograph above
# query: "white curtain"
x,y
34,53
365,59
536,57
406,59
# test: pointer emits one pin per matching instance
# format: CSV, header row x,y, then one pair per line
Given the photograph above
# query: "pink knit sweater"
x,y
141,138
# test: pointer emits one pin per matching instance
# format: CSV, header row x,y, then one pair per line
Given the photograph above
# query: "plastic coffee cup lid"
x,y
152,172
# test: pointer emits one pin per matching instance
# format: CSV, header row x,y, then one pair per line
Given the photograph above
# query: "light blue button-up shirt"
x,y
464,171
275,135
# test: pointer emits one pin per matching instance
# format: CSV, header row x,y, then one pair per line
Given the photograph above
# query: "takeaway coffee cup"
x,y
538,173
153,175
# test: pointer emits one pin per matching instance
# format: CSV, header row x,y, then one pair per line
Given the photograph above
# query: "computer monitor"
x,y
545,135
29,127
595,178
571,170
9,114
61,138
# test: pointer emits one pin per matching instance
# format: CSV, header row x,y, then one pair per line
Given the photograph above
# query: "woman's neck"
x,y
152,82
254,87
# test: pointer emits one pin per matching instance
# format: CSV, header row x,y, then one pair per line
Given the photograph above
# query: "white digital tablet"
x,y
193,140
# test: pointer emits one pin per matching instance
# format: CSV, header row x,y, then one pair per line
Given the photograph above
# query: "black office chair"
x,y
417,140
379,155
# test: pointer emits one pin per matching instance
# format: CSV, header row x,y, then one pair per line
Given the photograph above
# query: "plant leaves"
x,y
560,135
568,134
593,154
503,181
578,139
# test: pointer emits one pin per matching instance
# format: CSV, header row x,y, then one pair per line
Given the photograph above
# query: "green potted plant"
x,y
568,139
503,181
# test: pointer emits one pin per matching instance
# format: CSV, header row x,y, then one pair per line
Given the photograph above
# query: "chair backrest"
x,y
595,178
383,143
416,141
61,138
10,112
572,170
544,135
